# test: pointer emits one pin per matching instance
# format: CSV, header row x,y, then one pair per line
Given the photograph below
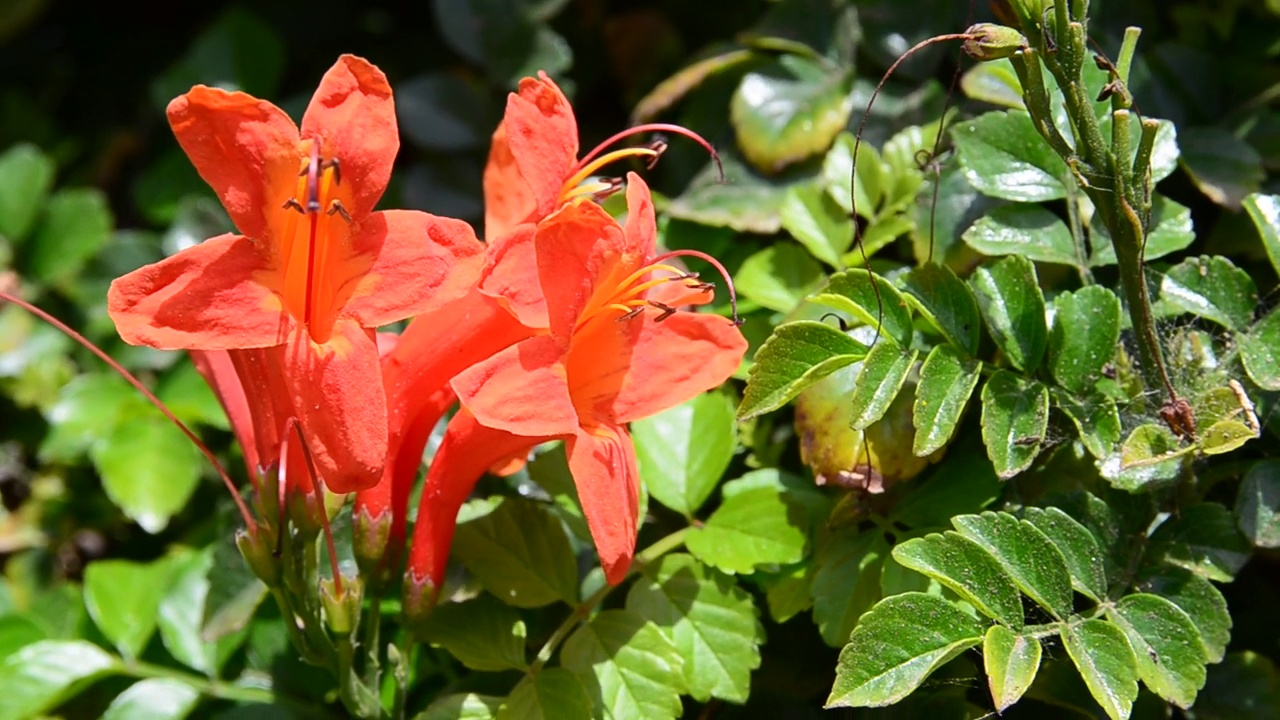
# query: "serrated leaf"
x,y
789,110
1084,337
483,634
122,597
1199,599
1015,417
1264,210
1105,660
42,675
1209,287
1024,229
26,176
896,646
779,276
709,618
1170,231
154,699
752,528
1096,419
682,452
77,224
1027,555
788,594
1166,645
1078,547
816,221
629,667
1203,539
1260,351
884,371
880,306
847,581
1004,156
469,706
1009,297
1011,661
797,355
946,302
1258,504
149,469
964,483
550,694
520,553
947,380
971,572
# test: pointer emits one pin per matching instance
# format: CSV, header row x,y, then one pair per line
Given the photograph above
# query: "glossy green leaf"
x,y
816,221
787,594
1004,156
1084,337
1203,539
1199,599
1027,556
847,581
869,185
1015,417
1024,229
87,411
1225,436
965,482
149,469
1105,660
1260,351
797,355
744,200
154,699
1078,548
682,452
970,571
190,398
1258,504
779,276
946,302
897,645
884,371
1170,231
469,706
1011,661
994,83
234,593
550,694
1096,419
670,90
1166,645
789,110
520,553
77,224
881,306
483,634
123,597
752,528
40,676
26,177
1211,288
1223,166
18,631
181,611
629,667
709,618
1009,297
550,470
1264,210
947,380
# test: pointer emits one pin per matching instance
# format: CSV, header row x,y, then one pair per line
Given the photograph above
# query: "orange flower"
x,y
315,268
616,351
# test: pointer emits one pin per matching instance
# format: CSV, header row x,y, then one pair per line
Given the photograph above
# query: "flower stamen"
x,y
569,189
655,128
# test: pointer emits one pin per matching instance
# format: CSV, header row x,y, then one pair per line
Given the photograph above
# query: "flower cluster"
x,y
565,324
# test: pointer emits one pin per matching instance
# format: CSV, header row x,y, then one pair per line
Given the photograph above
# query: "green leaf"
x,y
682,452
1245,685
669,91
1027,556
26,177
1203,539
483,634
1096,419
1225,436
881,306
550,694
149,469
629,667
1166,645
237,52
504,37
947,379
847,581
744,201
1170,231
709,618
234,593
1011,661
1209,287
1151,455
1258,504
123,597
971,572
1106,662
946,302
817,222
898,644
154,699
1264,210
789,110
520,553
42,675
1015,416
779,276
1224,167
993,83
837,172
443,112
470,706
797,355
181,610
1078,547
1260,351
964,483
751,528
1199,599
19,631
87,411
1004,156
884,371
1009,297
77,224
190,398
1024,229
786,594
1084,337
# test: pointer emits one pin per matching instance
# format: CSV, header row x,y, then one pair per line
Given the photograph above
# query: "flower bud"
x,y
370,536
341,610
989,41
258,550
419,599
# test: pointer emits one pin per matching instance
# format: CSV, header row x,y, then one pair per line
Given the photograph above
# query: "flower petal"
x,y
336,389
261,373
219,372
579,257
211,296
602,460
508,199
543,138
640,234
354,116
245,148
510,276
419,263
521,390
